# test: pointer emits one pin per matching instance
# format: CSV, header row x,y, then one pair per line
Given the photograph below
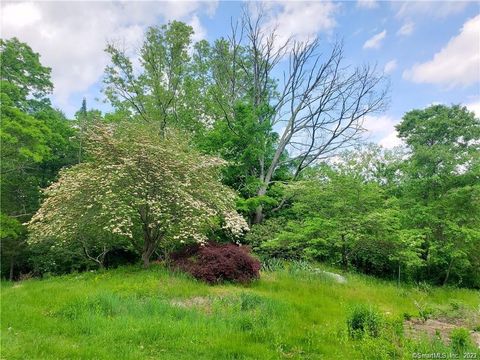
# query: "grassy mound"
x,y
131,313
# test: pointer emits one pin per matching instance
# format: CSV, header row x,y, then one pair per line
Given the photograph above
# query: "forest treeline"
x,y
244,140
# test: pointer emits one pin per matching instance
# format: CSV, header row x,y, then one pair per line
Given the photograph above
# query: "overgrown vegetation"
x,y
149,313
215,155
203,139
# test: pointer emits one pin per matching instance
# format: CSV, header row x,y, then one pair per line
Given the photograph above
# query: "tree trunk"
x,y
12,264
267,177
259,210
146,259
344,253
258,215
99,260
448,272
148,249
399,268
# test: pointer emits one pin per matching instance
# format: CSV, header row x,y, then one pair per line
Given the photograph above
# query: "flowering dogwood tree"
x,y
139,185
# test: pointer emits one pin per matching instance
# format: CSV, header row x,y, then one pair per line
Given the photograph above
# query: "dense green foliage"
x,y
36,143
139,182
293,314
205,144
413,214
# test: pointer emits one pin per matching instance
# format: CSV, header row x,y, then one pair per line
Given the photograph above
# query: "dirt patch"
x,y
199,302
436,328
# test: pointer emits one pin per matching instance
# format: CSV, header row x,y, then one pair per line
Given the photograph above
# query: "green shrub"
x,y
261,233
364,320
460,339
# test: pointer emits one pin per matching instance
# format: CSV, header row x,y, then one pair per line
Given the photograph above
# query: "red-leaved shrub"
x,y
215,263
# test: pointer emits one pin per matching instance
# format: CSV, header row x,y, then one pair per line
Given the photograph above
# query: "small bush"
x,y
460,339
363,320
216,263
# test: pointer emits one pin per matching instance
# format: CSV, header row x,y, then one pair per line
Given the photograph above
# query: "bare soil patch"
x,y
199,302
437,328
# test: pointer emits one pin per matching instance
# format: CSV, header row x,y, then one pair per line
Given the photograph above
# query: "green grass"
x,y
131,313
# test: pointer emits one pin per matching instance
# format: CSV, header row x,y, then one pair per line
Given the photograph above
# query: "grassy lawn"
x,y
131,313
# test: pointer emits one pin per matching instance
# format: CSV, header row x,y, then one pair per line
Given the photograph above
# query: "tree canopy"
x,y
136,183
200,132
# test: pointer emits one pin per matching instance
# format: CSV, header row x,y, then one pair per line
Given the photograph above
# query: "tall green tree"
x,y
163,90
441,187
35,142
24,79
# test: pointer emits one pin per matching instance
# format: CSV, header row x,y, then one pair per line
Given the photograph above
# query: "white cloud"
x,y
71,36
391,140
475,107
375,41
406,29
438,9
200,33
297,19
20,15
381,129
390,66
456,64
367,4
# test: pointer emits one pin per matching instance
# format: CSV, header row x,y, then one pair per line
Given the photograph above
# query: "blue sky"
x,y
430,50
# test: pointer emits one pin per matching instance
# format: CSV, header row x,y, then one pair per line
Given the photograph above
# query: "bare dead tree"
x,y
319,106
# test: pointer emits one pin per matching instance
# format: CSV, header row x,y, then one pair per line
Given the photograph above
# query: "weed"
x,y
425,312
460,339
364,320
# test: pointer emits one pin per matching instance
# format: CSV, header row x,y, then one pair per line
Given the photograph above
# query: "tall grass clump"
x,y
364,320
